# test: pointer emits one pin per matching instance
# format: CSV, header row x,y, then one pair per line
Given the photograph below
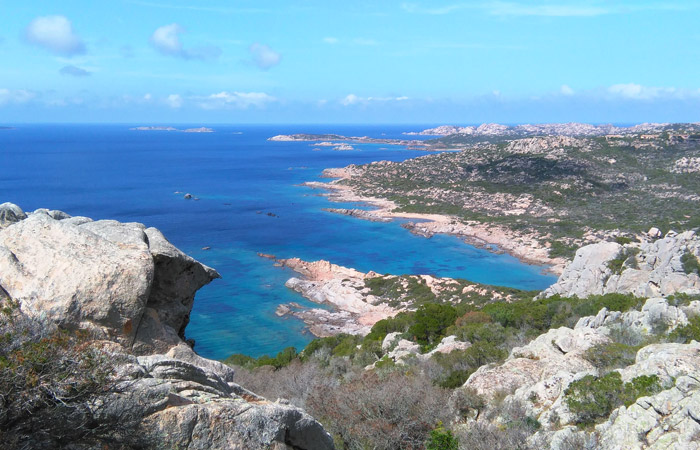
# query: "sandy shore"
x,y
525,247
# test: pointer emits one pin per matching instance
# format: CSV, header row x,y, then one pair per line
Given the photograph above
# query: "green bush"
x,y
687,333
400,322
594,398
625,258
611,355
441,439
282,359
690,263
431,320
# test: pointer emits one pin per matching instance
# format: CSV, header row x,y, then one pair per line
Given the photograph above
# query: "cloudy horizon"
x,y
168,61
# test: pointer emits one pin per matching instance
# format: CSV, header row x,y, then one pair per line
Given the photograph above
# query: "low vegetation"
x,y
50,381
594,398
402,405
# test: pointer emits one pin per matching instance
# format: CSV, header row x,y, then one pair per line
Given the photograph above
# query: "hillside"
x,y
562,190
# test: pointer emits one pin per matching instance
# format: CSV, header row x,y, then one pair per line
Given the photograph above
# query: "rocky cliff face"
x,y
645,269
134,291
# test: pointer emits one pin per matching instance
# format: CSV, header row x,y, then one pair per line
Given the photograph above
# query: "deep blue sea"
x,y
111,172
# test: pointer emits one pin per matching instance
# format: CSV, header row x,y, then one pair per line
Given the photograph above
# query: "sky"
x,y
325,61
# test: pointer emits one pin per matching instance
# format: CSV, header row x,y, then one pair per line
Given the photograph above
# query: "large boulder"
x,y
123,281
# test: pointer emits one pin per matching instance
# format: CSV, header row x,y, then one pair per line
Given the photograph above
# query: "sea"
x,y
248,198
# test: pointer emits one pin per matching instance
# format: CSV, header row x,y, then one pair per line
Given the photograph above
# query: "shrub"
x,y
690,263
626,257
473,317
687,333
441,439
380,412
593,398
465,401
282,359
623,240
611,355
55,387
431,320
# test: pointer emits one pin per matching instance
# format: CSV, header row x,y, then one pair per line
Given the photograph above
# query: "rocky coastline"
x,y
354,309
526,247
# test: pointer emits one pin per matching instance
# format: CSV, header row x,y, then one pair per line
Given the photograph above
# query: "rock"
x,y
547,359
390,341
123,281
448,344
655,315
134,291
587,273
668,361
403,349
53,213
9,214
654,233
659,273
667,420
188,196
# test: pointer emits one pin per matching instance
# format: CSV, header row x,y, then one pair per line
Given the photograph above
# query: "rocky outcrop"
x,y
649,269
667,420
123,281
9,214
355,310
134,291
536,376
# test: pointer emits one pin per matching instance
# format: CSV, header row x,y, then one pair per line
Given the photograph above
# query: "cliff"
x,y
131,292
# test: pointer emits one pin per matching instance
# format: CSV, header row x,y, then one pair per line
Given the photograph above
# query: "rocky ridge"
x,y
650,268
563,129
537,375
133,291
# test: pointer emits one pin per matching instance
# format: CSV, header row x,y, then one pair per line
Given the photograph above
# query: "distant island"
x,y
166,128
326,140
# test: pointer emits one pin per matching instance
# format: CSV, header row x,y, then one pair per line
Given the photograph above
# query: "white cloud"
x,y
166,40
562,9
263,56
54,33
74,71
15,96
174,101
352,99
639,92
235,100
566,90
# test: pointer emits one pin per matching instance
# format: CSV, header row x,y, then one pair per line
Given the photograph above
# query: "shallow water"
x,y
111,172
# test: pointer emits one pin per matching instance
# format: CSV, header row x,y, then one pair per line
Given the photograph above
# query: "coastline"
x,y
495,238
354,311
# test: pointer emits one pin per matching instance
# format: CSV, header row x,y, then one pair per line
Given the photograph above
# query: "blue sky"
x,y
216,61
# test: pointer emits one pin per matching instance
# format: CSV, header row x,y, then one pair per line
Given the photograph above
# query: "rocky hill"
x,y
130,293
553,192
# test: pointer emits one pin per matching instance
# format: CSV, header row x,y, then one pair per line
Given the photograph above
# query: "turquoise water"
x,y
110,172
